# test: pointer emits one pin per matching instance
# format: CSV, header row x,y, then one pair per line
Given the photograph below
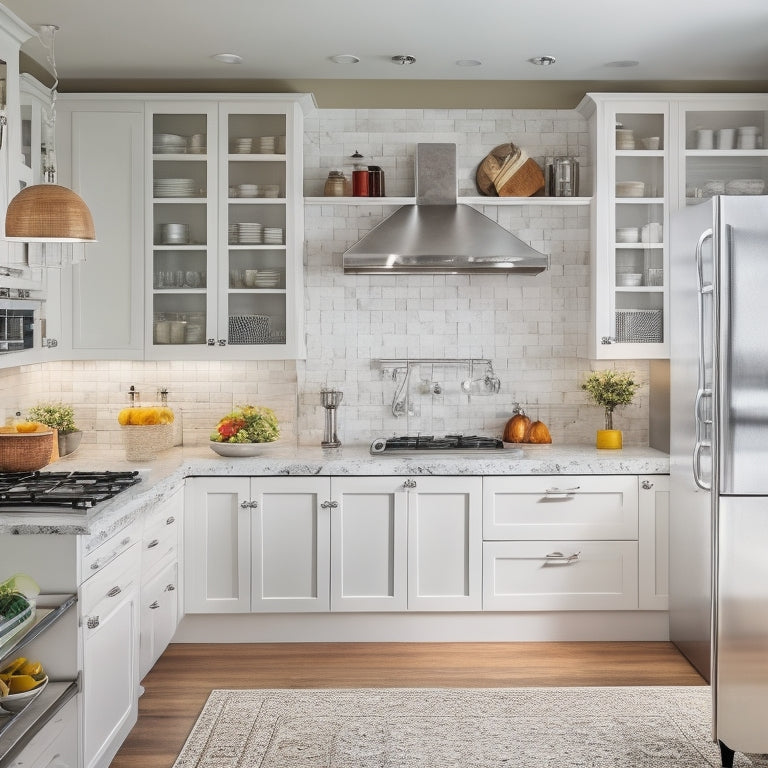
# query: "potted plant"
x,y
610,389
60,417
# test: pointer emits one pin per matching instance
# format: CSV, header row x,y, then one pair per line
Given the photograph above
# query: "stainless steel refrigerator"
x,y
719,459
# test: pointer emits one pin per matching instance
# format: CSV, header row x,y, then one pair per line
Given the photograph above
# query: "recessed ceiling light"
x,y
345,58
543,61
404,59
622,63
227,58
468,63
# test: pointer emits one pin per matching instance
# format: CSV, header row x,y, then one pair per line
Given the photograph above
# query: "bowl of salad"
x,y
245,431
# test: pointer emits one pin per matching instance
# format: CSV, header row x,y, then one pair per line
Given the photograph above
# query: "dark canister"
x,y
375,181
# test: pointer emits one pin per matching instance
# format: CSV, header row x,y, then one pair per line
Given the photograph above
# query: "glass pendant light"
x,y
49,212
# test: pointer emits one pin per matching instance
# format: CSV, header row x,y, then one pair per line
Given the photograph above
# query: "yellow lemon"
x,y
22,683
33,668
16,664
27,426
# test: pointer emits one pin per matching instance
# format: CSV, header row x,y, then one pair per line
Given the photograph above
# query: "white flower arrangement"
x,y
55,415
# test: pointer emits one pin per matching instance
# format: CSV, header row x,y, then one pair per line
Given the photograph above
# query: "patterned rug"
x,y
642,727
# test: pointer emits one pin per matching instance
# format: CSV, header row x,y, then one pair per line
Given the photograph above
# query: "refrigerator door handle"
x,y
702,420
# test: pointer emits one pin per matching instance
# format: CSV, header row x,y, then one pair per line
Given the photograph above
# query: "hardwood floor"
x,y
178,685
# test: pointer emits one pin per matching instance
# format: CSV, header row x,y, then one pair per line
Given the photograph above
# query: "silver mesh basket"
x,y
639,326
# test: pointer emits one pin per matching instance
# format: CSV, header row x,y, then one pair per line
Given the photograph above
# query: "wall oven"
x,y
17,324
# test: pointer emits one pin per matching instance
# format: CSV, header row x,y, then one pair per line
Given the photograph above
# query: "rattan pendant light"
x,y
48,212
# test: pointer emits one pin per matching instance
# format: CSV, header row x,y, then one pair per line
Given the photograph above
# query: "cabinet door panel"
x,y
159,616
560,507
107,295
217,572
588,575
291,544
653,543
368,539
444,544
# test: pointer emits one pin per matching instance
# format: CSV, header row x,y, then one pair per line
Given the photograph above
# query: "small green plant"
x,y
610,389
55,415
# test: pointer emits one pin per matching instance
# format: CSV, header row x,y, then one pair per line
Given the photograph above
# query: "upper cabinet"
x,y
654,154
225,228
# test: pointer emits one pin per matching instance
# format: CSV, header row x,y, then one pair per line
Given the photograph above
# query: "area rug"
x,y
629,727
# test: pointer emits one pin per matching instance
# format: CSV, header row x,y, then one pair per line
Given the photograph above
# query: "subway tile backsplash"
x,y
534,328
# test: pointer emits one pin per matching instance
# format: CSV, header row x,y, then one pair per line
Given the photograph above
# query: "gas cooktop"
x,y
429,443
62,492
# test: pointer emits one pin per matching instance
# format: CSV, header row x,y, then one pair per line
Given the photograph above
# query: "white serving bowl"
x,y
15,702
239,449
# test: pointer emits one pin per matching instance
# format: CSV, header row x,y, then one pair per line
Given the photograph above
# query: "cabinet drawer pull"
x,y
249,505
114,592
561,491
647,485
154,605
409,483
92,622
329,505
558,558
171,520
170,588
152,544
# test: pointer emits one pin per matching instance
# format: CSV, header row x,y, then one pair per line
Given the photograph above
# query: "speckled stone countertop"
x,y
165,474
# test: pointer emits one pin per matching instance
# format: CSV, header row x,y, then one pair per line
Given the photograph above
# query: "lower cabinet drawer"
x,y
559,575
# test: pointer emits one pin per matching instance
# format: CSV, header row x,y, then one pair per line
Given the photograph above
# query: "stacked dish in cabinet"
x,y
639,223
724,149
181,184
256,180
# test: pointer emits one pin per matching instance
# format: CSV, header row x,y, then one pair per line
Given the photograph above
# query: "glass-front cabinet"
x,y
226,234
631,140
723,148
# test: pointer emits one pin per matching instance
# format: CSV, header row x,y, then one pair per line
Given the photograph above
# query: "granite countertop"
x,y
166,473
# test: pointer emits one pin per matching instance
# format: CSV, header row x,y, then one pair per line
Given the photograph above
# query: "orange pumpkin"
x,y
516,428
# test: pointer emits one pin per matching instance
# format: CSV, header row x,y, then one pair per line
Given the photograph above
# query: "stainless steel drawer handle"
x,y
114,592
249,504
561,491
558,558
154,605
409,483
170,588
92,622
329,505
152,544
171,520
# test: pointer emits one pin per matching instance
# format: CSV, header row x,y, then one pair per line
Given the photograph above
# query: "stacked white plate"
x,y
247,190
250,232
232,233
196,144
273,235
266,145
627,235
745,187
168,144
629,279
173,187
266,278
630,189
242,146
174,234
625,138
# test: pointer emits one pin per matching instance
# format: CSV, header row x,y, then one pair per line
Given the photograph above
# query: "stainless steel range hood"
x,y
438,235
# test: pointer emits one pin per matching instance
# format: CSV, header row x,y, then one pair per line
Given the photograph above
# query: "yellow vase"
x,y
609,439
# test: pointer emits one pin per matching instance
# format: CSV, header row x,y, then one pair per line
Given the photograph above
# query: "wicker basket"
x,y
143,443
25,452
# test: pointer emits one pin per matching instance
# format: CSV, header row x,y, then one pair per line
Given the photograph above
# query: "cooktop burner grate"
x,y
450,443
75,492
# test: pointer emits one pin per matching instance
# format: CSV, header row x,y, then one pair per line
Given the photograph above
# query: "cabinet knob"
x,y
222,342
249,505
171,520
170,588
647,485
152,544
92,622
607,339
409,483
211,342
329,505
154,605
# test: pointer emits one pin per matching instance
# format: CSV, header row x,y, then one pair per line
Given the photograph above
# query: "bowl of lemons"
x,y
20,682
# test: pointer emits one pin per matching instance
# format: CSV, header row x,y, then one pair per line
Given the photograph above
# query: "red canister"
x,y
360,177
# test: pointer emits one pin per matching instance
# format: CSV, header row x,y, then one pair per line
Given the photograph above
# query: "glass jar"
x,y
335,184
360,177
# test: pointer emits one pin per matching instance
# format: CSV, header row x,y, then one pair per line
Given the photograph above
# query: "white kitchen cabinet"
x,y
56,746
369,544
290,530
110,633
227,283
101,154
653,542
445,544
566,542
217,545
160,588
559,575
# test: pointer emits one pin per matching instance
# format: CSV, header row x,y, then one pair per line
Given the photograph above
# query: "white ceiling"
x,y
293,39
